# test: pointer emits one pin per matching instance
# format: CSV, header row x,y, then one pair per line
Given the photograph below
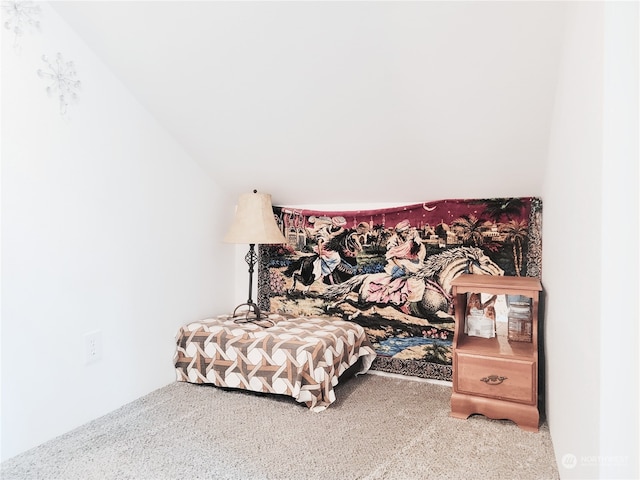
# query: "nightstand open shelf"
x,y
497,376
498,346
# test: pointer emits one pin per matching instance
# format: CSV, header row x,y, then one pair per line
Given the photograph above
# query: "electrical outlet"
x,y
92,347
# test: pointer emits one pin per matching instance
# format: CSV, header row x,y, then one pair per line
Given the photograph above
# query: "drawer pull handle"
x,y
493,380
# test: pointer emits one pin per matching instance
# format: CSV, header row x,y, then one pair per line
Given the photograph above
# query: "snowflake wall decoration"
x,y
63,82
20,15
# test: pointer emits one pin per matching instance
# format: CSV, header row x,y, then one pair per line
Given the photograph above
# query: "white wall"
x,y
107,225
620,361
590,242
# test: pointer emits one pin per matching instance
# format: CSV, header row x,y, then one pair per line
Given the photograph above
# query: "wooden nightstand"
x,y
497,377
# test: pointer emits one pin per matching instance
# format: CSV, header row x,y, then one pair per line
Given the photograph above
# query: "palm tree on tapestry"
x,y
470,228
515,233
380,236
495,208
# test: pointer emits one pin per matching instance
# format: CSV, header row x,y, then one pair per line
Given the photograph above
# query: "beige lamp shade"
x,y
254,222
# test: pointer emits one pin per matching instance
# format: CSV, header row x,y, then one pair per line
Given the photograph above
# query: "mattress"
x,y
301,357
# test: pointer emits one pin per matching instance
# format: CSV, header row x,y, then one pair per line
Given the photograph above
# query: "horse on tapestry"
x,y
425,293
308,269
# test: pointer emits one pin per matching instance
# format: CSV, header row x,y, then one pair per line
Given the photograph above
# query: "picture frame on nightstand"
x,y
480,315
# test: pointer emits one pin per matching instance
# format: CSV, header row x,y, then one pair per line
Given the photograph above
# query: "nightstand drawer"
x,y
505,379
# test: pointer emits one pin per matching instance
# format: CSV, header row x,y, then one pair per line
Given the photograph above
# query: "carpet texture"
x,y
380,427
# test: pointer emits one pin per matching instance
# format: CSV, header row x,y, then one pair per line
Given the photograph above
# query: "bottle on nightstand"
x,y
519,318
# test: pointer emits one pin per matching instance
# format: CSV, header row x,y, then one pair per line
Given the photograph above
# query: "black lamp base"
x,y
252,307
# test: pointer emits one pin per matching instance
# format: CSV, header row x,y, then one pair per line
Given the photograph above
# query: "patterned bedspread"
x,y
301,357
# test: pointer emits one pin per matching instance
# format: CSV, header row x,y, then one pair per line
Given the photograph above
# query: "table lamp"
x,y
254,223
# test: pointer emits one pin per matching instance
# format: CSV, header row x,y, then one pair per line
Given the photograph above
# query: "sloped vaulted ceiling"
x,y
343,102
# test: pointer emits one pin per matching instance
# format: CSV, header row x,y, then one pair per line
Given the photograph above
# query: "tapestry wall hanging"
x,y
390,270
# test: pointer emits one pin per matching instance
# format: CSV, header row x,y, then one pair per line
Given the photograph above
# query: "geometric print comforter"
x,y
301,357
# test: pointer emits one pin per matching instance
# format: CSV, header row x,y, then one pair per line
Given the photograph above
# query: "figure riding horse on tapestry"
x,y
334,257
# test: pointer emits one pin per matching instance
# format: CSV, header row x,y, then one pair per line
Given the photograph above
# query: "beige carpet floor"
x,y
380,427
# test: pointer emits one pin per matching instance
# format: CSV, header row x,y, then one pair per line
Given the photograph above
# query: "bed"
x,y
301,357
